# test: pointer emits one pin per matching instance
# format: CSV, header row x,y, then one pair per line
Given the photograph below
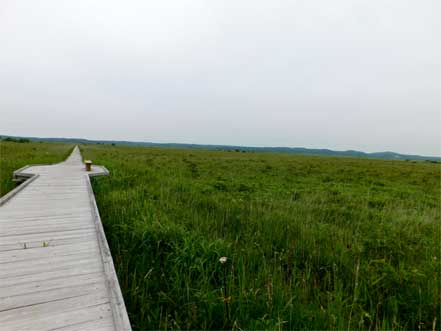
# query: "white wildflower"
x,y
223,259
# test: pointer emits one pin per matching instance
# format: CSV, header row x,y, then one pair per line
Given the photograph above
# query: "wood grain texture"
x,y
56,270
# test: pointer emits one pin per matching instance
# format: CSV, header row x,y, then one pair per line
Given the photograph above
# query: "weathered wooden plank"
x,y
48,218
48,308
51,295
56,271
15,191
51,284
39,225
55,228
68,240
80,269
43,252
38,212
96,325
44,236
63,319
35,267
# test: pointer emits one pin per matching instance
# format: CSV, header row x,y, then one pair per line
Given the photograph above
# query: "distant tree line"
x,y
16,140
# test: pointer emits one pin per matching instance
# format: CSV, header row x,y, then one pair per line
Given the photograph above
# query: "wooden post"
x,y
88,165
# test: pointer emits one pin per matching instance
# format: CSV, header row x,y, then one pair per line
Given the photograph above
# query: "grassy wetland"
x,y
310,242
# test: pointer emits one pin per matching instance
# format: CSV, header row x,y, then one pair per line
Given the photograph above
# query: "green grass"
x,y
312,242
14,155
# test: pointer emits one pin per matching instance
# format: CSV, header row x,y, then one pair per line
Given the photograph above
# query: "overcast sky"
x,y
344,74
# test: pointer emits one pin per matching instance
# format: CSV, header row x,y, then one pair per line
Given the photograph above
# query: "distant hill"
x,y
288,150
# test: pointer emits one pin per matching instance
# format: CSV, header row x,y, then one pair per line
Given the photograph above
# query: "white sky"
x,y
344,74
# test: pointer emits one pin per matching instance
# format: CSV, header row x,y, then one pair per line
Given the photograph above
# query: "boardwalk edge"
x,y
16,190
119,311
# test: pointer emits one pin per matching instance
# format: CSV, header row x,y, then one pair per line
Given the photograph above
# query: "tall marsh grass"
x,y
312,242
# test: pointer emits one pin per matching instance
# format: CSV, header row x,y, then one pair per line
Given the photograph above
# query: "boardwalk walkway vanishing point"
x,y
56,271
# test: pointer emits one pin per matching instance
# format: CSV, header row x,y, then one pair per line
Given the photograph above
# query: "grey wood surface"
x,y
56,270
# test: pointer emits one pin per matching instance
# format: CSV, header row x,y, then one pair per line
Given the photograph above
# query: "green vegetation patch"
x,y
311,242
16,153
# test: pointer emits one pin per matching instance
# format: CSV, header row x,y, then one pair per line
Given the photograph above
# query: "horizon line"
x,y
225,145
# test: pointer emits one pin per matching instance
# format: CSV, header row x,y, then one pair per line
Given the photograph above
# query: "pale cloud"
x,y
344,74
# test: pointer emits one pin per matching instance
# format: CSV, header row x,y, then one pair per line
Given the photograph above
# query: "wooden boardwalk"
x,y
56,271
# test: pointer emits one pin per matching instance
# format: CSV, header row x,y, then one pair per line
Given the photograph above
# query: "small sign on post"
x,y
88,164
